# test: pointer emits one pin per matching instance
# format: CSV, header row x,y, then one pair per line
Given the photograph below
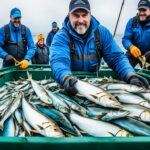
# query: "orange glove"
x,y
135,51
24,64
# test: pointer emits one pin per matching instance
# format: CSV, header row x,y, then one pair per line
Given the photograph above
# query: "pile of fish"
x,y
103,107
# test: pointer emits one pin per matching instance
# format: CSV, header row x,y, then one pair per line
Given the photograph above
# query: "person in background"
x,y
136,39
42,51
80,45
16,42
51,34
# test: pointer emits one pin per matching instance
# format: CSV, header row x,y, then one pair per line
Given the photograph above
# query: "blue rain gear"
x,y
62,64
138,36
15,46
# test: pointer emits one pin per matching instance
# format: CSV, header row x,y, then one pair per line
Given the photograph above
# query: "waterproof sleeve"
x,y
60,56
3,54
33,60
113,55
127,38
48,40
30,45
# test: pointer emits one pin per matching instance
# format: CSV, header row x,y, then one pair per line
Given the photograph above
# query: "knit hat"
x,y
40,37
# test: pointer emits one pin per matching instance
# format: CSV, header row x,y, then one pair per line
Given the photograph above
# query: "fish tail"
x,y
29,76
1,126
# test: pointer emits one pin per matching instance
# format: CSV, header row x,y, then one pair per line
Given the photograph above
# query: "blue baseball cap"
x,y
15,13
54,24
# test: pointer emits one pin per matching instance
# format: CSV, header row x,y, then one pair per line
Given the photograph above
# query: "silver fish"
x,y
107,114
40,91
11,109
138,112
39,122
97,128
130,98
97,95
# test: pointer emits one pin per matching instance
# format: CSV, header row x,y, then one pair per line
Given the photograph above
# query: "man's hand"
x,y
135,51
69,85
9,58
138,80
24,64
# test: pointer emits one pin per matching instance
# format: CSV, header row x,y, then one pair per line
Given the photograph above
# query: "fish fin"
x,y
1,126
29,76
41,128
99,116
34,131
95,97
77,131
111,133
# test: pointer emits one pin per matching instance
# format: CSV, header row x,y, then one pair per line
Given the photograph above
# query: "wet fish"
x,y
134,126
130,98
40,122
97,95
11,109
40,91
72,104
59,117
9,128
58,103
107,114
138,112
97,128
126,87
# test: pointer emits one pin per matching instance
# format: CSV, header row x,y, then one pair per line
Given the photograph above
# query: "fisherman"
x,y
136,39
80,45
42,51
16,43
51,34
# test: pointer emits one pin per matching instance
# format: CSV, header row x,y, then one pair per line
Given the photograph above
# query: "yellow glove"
x,y
24,64
135,51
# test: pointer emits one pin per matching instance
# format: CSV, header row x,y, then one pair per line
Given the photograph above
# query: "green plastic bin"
x,y
84,143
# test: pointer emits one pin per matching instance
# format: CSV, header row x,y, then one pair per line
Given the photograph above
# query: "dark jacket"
x,y
41,55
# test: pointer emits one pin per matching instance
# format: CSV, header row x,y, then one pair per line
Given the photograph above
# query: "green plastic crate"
x,y
84,143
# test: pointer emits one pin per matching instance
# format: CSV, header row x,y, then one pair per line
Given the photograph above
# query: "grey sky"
x,y
38,14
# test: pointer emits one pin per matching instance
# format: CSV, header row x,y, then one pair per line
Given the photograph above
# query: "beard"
x,y
81,28
16,23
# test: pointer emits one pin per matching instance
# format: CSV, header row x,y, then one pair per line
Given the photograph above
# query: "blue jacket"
x,y
60,52
139,36
50,38
14,33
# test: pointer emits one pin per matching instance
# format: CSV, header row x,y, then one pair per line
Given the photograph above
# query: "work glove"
x,y
137,80
9,58
24,64
69,85
135,51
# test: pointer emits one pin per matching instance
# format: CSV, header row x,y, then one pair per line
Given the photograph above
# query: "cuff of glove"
x,y
65,78
129,75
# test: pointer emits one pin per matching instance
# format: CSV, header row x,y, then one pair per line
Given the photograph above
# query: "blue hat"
x,y
79,4
15,13
54,24
145,4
